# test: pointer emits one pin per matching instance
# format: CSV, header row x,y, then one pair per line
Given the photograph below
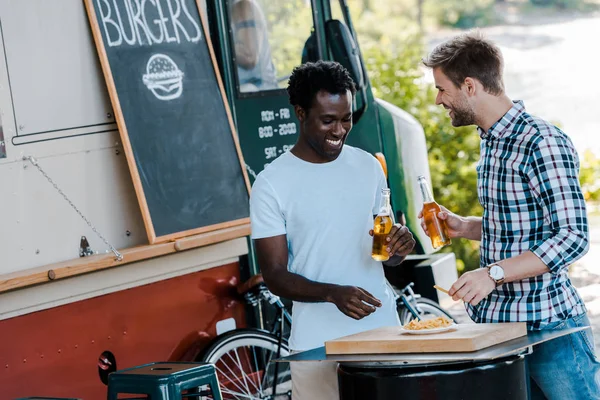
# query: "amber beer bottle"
x,y
381,227
437,229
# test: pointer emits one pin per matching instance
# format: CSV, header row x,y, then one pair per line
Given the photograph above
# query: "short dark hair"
x,y
311,77
470,55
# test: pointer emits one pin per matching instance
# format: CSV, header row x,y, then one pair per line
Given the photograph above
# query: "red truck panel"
x,y
55,352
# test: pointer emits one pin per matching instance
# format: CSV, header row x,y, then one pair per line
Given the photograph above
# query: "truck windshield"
x,y
268,38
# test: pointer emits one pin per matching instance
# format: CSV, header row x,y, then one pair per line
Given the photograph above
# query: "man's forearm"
x,y
471,228
523,266
297,288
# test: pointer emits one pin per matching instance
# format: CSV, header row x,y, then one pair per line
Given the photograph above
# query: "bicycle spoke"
x,y
236,381
260,381
229,380
267,364
245,367
235,351
244,375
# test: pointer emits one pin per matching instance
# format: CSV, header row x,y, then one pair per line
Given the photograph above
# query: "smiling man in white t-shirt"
x,y
311,212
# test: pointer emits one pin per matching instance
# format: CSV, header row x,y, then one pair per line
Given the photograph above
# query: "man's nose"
x,y
339,129
438,98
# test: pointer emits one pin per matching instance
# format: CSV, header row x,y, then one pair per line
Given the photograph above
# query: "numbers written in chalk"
x,y
287,129
282,130
265,132
270,115
273,151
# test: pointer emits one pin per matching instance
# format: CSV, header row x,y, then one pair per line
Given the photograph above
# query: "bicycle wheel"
x,y
429,308
242,358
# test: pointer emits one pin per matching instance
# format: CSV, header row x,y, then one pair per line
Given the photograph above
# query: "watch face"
x,y
496,272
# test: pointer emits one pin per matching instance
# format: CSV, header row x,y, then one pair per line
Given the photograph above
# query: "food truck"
x,y
124,234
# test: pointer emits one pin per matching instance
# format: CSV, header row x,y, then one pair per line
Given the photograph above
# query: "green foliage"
x,y
461,13
589,176
290,24
397,76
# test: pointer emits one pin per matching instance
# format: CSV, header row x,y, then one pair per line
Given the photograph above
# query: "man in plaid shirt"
x,y
534,223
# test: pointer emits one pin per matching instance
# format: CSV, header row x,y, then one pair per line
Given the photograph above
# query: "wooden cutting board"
x,y
465,338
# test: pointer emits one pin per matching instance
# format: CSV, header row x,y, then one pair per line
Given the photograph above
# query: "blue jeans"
x,y
565,368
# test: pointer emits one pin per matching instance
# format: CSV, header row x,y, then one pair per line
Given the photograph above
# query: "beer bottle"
x,y
437,229
382,227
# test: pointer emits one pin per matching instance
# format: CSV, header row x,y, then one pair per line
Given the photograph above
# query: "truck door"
x,y
259,43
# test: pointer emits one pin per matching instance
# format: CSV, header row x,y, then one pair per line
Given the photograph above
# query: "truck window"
x,y
268,38
337,13
336,10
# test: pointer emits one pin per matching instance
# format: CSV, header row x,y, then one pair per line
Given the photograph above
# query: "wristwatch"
x,y
496,273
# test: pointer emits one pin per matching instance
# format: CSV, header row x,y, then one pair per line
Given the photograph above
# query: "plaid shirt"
x,y
527,183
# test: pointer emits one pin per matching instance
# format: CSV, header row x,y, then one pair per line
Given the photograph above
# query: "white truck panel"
x,y
40,227
54,106
55,76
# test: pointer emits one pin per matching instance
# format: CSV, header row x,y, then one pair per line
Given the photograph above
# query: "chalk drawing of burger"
x,y
163,77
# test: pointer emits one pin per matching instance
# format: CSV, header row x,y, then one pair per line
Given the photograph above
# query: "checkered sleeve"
x,y
553,178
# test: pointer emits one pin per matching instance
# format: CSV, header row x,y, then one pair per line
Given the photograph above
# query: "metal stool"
x,y
163,380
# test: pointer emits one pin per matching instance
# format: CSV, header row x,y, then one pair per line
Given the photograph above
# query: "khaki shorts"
x,y
314,380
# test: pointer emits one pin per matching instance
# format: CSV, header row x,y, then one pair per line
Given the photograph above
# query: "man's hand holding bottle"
x,y
454,222
456,225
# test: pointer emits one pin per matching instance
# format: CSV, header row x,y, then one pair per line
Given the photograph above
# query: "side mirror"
x,y
344,50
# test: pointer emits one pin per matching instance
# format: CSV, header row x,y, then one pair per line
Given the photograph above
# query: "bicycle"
x,y
242,357
411,305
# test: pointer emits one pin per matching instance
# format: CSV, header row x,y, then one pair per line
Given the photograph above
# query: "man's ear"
x,y
470,86
300,113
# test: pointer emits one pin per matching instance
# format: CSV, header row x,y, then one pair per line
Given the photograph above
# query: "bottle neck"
x,y
385,207
425,191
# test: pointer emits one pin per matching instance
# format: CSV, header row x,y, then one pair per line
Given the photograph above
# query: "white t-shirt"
x,y
326,210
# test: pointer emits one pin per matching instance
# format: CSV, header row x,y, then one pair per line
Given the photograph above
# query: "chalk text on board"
x,y
269,115
147,22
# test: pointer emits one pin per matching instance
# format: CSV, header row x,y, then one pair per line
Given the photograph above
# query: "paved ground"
x,y
586,278
551,63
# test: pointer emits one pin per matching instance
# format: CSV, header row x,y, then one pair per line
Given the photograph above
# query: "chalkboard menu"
x,y
173,118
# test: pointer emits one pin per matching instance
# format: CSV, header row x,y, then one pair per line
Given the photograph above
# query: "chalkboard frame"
x,y
114,98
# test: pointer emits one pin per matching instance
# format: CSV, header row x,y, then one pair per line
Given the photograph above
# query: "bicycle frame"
x,y
282,317
265,294
409,301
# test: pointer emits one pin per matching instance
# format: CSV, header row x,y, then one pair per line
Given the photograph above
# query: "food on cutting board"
x,y
438,322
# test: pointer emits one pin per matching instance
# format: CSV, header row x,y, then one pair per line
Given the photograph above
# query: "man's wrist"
x,y
470,228
465,227
496,274
330,290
